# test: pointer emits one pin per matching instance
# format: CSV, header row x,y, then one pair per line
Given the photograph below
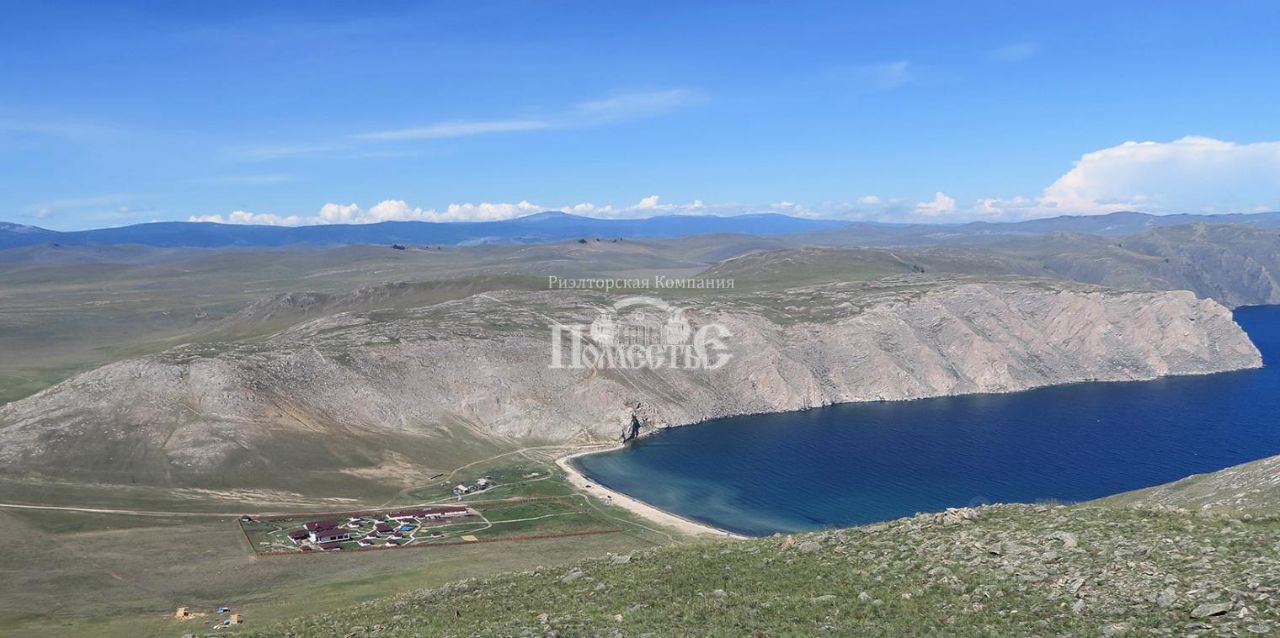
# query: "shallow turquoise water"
x,y
860,463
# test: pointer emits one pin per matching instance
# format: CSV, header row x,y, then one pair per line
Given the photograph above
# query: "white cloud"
x,y
609,110
630,106
1015,52
869,200
1188,175
245,217
400,210
648,203
445,130
616,108
339,213
941,204
1191,174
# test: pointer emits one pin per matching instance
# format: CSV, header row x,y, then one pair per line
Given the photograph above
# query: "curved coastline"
x,y
1071,442
661,516
634,505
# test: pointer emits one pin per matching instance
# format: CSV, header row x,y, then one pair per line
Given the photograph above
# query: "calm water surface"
x,y
860,463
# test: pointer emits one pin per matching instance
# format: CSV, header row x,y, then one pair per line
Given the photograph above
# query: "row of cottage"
x,y
328,534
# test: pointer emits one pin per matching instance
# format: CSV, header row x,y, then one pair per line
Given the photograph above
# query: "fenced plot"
x,y
424,526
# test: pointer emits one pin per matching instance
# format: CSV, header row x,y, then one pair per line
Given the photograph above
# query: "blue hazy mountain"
x,y
540,227
558,226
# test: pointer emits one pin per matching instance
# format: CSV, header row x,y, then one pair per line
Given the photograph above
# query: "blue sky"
x,y
929,111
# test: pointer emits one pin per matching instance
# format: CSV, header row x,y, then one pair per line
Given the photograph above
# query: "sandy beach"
x,y
634,505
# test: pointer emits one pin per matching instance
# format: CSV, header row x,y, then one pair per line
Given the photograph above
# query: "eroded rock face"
x,y
340,391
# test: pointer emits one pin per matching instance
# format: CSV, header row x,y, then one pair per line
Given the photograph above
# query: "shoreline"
x,y
634,505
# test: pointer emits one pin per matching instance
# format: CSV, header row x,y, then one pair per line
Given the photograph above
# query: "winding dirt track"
x,y
98,510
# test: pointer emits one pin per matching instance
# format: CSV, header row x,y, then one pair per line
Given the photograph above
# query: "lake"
x,y
864,462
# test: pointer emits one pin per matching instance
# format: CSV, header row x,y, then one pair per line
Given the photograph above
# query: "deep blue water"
x,y
859,463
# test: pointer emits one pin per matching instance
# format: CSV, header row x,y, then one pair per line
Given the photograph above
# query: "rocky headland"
x,y
354,391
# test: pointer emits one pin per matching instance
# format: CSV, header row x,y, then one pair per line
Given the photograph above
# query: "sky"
x,y
304,113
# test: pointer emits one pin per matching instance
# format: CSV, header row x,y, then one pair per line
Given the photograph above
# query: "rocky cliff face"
x,y
347,390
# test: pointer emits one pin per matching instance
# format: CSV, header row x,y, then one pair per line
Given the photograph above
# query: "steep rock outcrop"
x,y
342,390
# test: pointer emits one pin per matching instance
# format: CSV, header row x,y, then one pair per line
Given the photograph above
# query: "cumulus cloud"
x,y
400,210
339,213
1191,174
941,204
246,217
1187,175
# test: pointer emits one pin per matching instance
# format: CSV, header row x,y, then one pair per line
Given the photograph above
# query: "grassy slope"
x,y
117,575
1249,489
1007,571
67,310
123,582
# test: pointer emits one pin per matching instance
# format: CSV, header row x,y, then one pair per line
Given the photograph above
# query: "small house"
x,y
445,512
332,535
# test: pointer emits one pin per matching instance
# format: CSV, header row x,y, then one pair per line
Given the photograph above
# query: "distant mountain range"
x,y
540,227
558,226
